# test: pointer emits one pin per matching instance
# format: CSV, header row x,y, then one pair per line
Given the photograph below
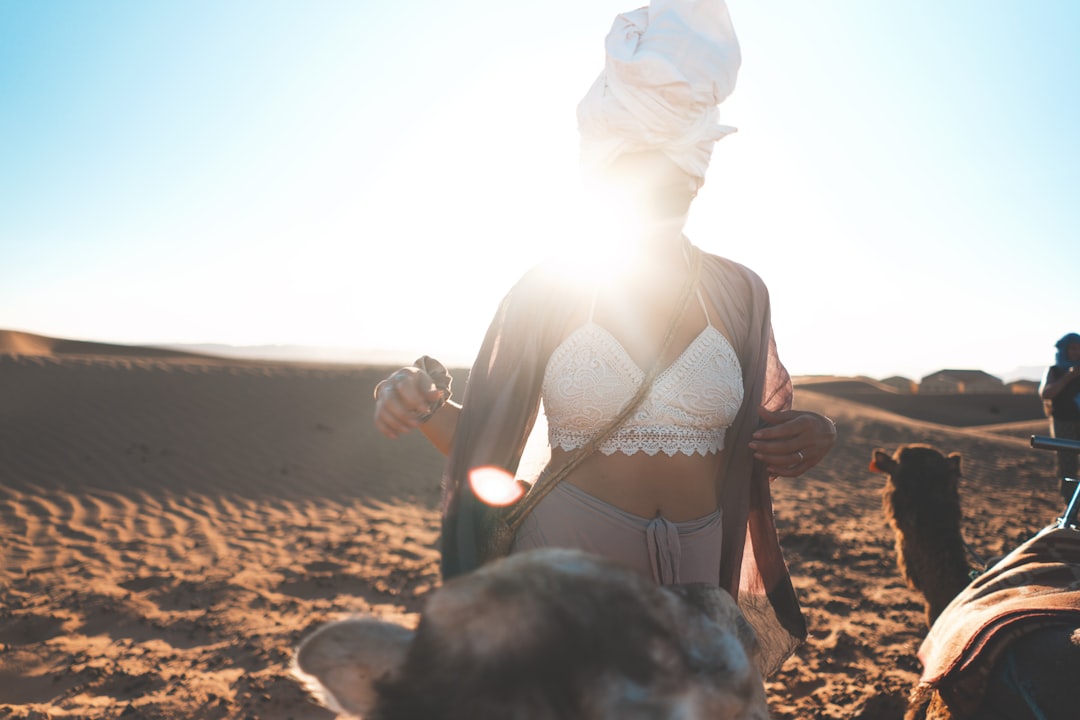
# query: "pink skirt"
x,y
669,553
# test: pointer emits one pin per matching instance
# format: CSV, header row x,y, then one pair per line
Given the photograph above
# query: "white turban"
x,y
668,66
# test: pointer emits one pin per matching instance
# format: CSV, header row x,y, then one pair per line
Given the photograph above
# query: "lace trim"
x,y
590,376
649,440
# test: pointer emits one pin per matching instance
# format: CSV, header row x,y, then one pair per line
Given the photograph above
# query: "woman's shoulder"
x,y
545,292
551,277
717,268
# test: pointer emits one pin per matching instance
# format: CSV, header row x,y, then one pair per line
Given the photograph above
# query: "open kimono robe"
x,y
502,399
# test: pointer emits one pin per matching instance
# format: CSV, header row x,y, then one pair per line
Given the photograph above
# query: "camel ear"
x,y
954,464
340,662
882,462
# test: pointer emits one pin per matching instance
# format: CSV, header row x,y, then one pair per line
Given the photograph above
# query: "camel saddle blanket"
x,y
1034,586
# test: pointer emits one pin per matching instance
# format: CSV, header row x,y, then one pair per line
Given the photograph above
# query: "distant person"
x,y
1061,389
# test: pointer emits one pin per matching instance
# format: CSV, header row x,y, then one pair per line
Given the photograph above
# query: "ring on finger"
x,y
800,454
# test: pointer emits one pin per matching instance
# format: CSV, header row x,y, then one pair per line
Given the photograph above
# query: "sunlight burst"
x,y
604,241
495,486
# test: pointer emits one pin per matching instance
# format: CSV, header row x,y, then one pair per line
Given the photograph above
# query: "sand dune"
x,y
172,524
13,342
965,410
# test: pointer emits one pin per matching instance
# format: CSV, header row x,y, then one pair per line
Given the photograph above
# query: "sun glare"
x,y
495,486
601,245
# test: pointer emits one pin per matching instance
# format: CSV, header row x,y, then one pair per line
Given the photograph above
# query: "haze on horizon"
x,y
375,176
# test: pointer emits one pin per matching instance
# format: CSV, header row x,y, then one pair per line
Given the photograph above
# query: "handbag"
x,y
499,524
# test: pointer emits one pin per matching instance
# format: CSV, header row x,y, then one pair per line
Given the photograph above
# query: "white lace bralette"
x,y
590,377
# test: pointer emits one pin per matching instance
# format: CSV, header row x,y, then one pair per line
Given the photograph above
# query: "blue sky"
x,y
376,174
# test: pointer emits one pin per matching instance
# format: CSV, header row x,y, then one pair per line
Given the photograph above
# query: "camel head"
x,y
919,477
542,635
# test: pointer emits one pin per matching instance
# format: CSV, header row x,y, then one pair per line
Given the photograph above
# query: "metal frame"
x,y
1072,510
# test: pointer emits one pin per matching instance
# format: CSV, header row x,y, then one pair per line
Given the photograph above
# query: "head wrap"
x,y
1062,358
667,68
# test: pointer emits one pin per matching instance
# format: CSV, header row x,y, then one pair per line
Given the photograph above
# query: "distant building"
x,y
1023,387
960,381
901,384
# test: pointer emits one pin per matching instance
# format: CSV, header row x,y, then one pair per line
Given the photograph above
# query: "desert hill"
x,y
15,342
961,409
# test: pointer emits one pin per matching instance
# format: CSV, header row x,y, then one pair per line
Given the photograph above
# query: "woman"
x,y
680,492
1061,390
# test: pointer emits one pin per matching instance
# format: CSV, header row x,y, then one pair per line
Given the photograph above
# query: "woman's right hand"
x,y
403,400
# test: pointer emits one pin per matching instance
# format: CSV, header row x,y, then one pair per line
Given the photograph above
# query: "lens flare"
x,y
495,486
601,247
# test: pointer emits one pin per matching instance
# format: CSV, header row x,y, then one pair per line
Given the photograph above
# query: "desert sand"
x,y
172,524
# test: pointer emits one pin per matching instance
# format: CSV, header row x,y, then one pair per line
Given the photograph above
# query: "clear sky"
x,y
376,173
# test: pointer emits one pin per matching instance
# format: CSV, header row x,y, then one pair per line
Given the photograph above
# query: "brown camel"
x,y
921,501
545,635
1004,647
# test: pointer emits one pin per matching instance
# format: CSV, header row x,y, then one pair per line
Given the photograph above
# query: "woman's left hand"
x,y
793,442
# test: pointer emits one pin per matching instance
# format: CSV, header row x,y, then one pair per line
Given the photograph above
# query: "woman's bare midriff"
x,y
681,487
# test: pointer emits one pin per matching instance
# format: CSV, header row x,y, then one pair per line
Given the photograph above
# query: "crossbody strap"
x,y
547,482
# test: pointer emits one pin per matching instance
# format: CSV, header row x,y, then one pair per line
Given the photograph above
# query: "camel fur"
x,y
544,635
921,501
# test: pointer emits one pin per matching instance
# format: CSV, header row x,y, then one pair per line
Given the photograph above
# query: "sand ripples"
x,y
169,529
